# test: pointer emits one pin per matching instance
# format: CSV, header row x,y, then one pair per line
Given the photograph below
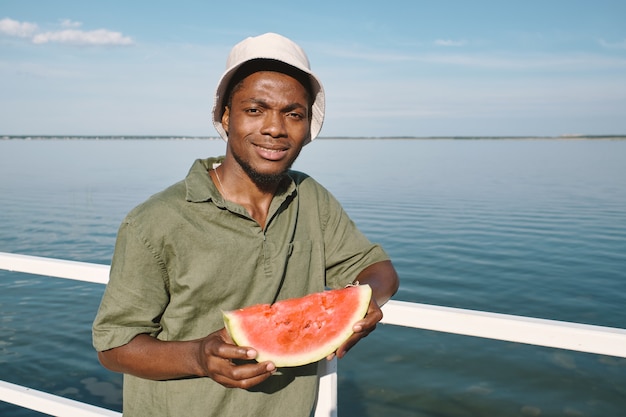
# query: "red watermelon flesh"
x,y
301,330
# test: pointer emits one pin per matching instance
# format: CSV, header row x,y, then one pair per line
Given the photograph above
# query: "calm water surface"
x,y
528,227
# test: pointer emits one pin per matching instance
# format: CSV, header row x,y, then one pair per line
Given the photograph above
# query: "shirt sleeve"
x,y
348,251
136,294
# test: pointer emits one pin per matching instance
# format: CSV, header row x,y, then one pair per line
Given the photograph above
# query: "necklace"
x,y
220,182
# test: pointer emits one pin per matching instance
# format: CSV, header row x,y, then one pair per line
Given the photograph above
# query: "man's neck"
x,y
237,186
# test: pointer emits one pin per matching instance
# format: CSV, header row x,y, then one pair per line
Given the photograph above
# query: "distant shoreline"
x,y
564,137
174,137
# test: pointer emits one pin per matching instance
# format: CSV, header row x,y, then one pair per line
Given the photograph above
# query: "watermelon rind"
x,y
244,326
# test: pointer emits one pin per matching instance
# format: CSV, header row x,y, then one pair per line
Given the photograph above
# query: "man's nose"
x,y
274,124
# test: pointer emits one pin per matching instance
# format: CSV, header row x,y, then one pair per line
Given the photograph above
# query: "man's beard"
x,y
259,178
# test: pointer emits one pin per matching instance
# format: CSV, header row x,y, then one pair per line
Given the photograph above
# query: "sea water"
x,y
528,227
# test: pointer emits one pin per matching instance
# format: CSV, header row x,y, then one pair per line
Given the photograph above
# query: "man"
x,y
241,229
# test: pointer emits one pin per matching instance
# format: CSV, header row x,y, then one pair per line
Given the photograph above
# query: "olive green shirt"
x,y
185,255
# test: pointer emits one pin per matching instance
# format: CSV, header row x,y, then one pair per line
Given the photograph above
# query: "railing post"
x,y
327,392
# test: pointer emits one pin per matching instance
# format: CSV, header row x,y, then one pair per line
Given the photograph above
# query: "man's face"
x,y
268,123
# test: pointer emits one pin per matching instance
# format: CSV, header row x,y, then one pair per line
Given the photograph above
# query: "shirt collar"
x,y
200,188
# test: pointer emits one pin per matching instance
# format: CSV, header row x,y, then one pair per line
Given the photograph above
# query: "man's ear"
x,y
226,119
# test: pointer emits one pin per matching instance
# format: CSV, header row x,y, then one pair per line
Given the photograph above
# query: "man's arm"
x,y
383,279
212,356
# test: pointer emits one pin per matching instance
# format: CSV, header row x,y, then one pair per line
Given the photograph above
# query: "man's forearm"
x,y
383,279
149,358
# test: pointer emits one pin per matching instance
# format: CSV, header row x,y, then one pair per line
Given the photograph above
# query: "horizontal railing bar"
x,y
58,268
541,332
50,404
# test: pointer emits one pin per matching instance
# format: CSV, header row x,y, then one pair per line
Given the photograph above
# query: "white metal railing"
x,y
556,334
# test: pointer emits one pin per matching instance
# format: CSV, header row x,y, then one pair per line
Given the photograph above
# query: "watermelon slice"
x,y
301,330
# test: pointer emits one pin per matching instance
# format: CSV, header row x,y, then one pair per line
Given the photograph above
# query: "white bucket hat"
x,y
269,46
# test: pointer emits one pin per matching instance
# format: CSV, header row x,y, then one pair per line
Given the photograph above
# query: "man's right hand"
x,y
230,365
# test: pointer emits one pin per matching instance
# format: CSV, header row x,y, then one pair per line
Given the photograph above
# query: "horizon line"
x,y
210,137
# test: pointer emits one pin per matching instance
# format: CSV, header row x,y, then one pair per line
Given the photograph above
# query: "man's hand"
x,y
231,365
361,329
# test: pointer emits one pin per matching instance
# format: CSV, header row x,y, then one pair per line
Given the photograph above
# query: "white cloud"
x,y
569,63
613,45
38,70
80,37
448,42
19,29
68,35
67,23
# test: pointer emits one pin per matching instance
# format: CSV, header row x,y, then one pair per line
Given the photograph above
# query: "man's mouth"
x,y
272,154
263,148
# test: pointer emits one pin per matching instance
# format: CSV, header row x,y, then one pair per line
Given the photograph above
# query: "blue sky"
x,y
390,68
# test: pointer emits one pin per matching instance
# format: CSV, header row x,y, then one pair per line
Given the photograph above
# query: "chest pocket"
x,y
303,270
